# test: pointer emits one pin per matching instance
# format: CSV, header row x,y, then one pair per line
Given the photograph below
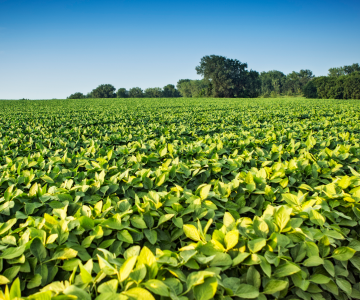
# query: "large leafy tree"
x,y
136,92
228,77
104,91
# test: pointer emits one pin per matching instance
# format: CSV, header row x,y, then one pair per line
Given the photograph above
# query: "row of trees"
x,y
334,87
109,91
229,78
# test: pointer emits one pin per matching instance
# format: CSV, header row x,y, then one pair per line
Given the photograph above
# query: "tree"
x,y
252,84
153,92
184,87
310,90
336,72
345,70
136,92
193,88
272,81
351,69
77,95
104,91
180,82
227,76
352,87
122,93
169,91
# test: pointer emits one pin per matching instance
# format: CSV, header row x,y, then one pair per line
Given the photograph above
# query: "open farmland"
x,y
180,199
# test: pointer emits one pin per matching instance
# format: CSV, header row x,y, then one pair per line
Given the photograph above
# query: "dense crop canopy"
x,y
179,199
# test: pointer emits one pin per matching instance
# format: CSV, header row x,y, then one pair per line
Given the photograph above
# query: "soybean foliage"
x,y
180,199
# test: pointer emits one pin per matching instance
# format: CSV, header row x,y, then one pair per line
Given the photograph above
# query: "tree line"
x,y
230,78
341,83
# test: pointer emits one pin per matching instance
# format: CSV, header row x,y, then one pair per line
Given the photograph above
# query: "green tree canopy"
x,y
104,91
122,93
153,92
136,92
77,95
169,91
192,88
272,81
228,77
345,70
310,90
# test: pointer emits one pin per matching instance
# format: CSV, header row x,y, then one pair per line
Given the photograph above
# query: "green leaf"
x,y
42,296
344,285
355,260
282,217
253,277
35,281
256,245
138,222
15,290
8,192
12,252
286,269
291,199
138,294
47,179
151,235
85,275
126,268
78,292
165,218
317,218
5,227
247,291
319,279
191,232
147,258
4,280
38,250
207,290
157,287
108,286
196,278
229,221
275,285
221,260
204,191
313,261
66,253
240,258
343,253
125,236
231,239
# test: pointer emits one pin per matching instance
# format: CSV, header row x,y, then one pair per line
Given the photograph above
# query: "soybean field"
x,y
182,199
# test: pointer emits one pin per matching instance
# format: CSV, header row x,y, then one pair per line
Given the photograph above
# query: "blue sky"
x,y
50,49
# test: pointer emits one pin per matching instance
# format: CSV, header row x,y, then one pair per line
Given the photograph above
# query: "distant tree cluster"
x,y
275,83
222,77
109,91
334,87
341,83
230,78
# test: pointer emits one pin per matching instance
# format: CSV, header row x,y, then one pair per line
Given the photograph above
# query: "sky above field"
x,y
51,49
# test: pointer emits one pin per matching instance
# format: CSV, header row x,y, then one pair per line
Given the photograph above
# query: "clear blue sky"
x,y
52,48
